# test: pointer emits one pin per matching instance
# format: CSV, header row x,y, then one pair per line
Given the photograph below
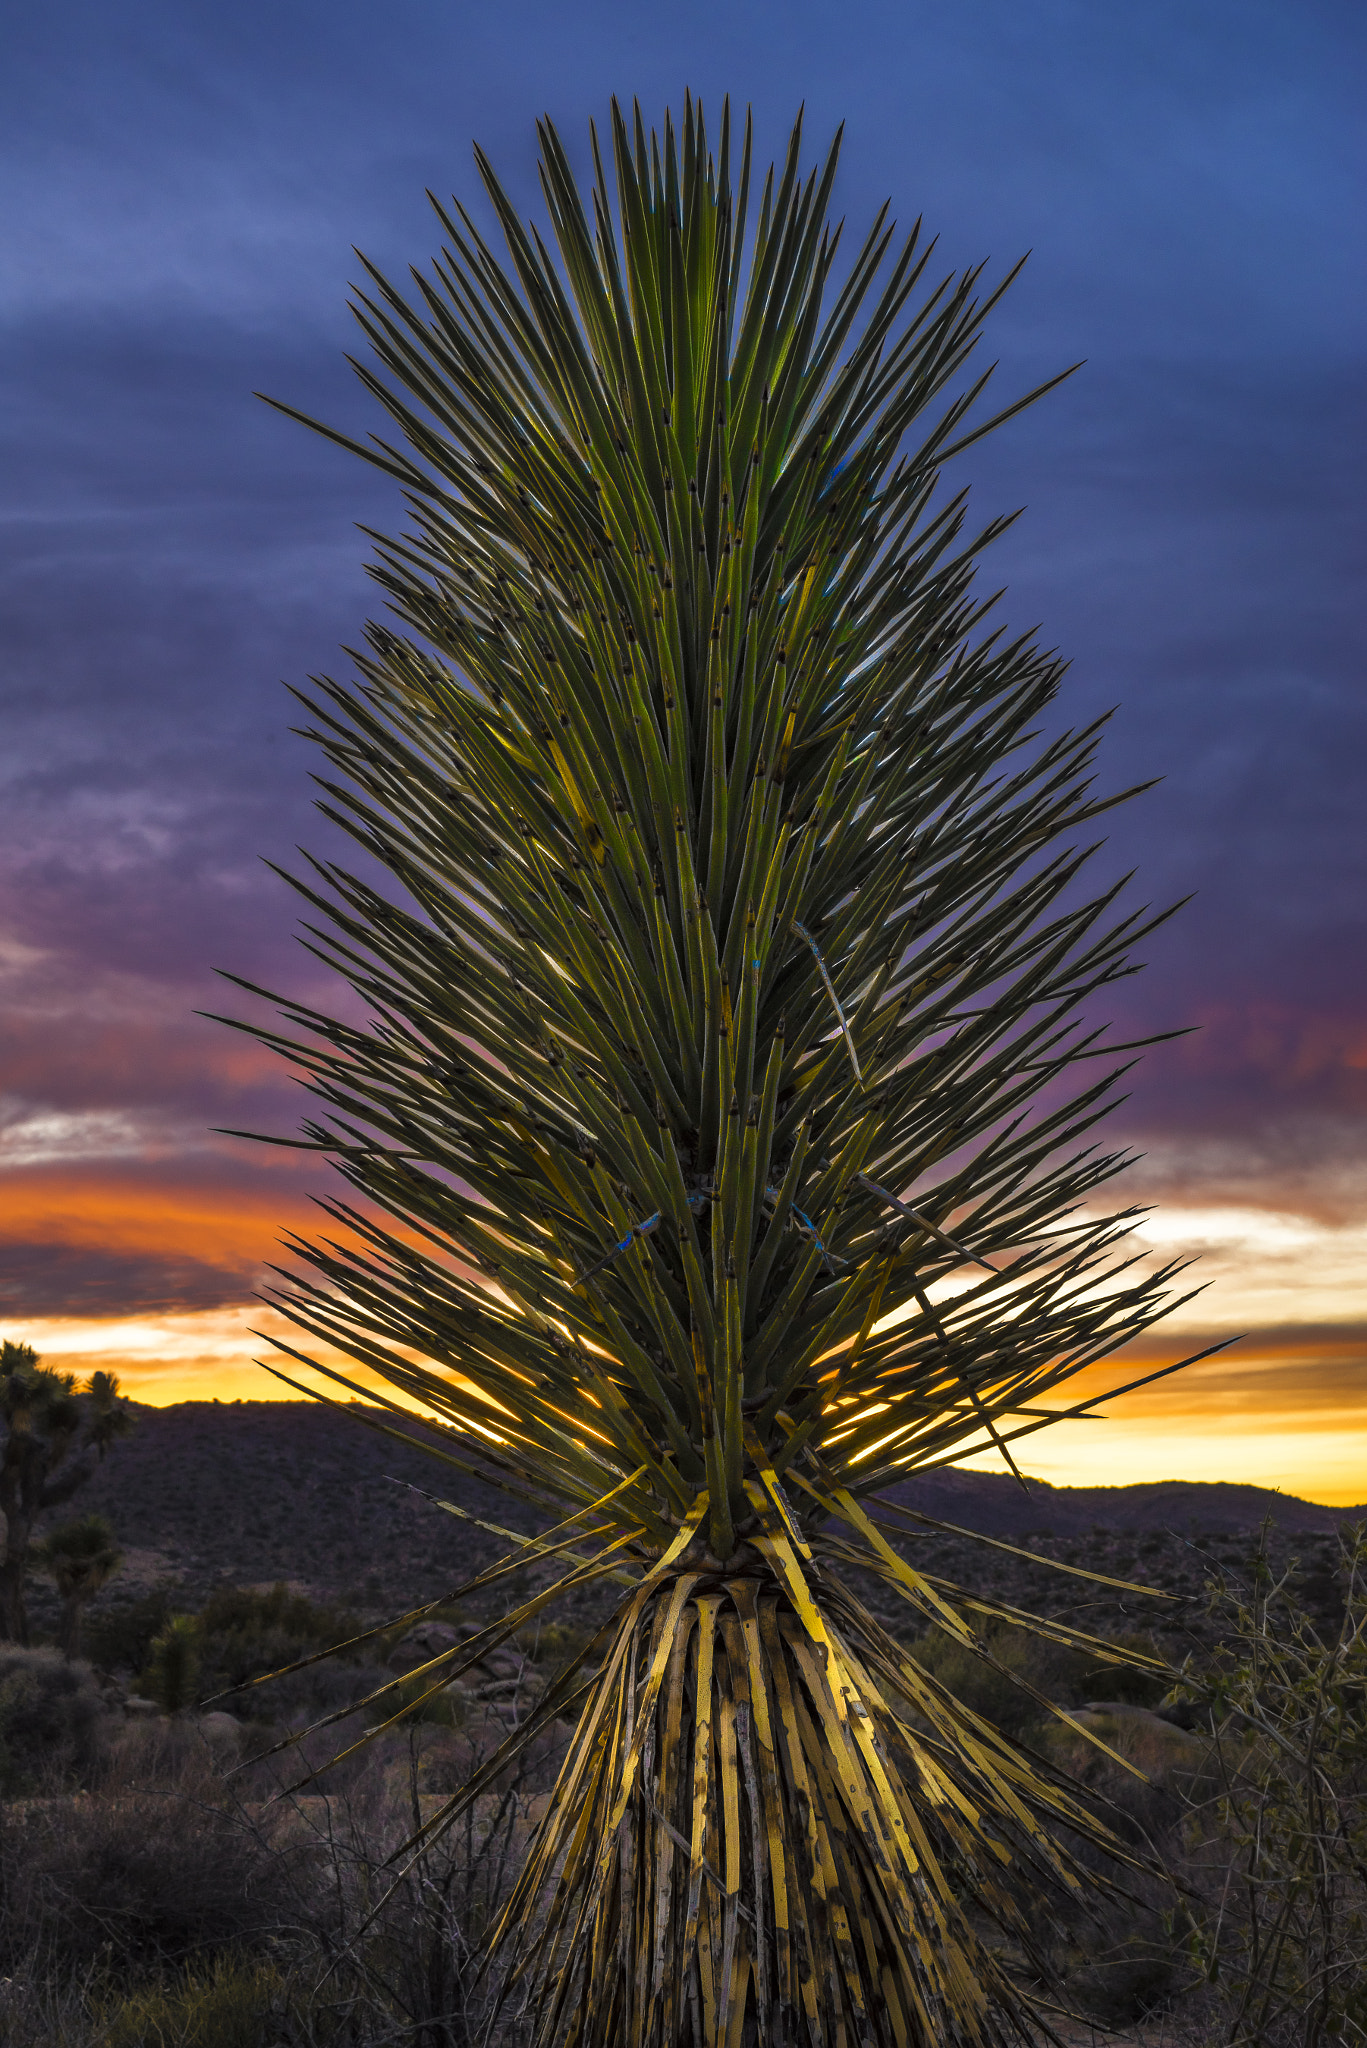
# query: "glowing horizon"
x,y
1285,1407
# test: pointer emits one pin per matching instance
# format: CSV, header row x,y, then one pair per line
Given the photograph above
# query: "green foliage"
x,y
81,1555
1021,1675
229,2002
240,1634
727,1003
416,1698
36,1400
173,1666
728,921
245,1633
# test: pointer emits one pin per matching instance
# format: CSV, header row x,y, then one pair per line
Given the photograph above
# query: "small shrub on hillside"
x,y
245,1634
1000,1690
243,1623
119,1636
52,1719
173,1667
444,1709
173,1918
240,1635
553,1644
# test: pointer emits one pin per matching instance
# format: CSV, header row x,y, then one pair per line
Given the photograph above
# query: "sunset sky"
x,y
183,183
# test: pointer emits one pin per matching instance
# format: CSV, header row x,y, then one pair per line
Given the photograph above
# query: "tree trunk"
x,y
772,1857
13,1613
22,1473
69,1634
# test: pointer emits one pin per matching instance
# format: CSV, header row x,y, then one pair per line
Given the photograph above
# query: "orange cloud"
x,y
203,1216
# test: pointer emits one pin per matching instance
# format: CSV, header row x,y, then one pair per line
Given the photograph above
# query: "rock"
x,y
1188,1714
222,1732
420,1644
140,1709
1156,1746
509,1688
503,1663
1127,1713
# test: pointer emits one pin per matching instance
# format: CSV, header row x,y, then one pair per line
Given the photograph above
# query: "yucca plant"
x,y
712,1135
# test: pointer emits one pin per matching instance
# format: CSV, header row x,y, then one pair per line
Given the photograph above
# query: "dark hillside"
x,y
993,1503
257,1491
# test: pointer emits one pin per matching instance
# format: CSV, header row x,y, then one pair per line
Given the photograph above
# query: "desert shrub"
x,y
247,1627
130,1880
172,1673
52,1719
240,1635
1066,1677
172,1918
403,1957
119,1633
243,1634
40,2010
1281,1841
445,1709
991,1692
229,2002
1097,1678
552,1644
1126,1970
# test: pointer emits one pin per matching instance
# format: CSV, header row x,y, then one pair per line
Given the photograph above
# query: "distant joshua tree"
x,y
81,1556
56,1433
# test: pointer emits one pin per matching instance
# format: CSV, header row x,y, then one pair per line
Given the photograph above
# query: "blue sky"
x,y
184,186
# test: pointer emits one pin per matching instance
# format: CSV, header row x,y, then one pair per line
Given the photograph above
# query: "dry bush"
x,y
1278,1846
400,1935
1067,1676
170,1906
154,1867
52,1719
1122,1961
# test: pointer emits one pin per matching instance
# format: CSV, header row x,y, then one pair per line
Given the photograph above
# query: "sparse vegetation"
x,y
163,1910
147,1898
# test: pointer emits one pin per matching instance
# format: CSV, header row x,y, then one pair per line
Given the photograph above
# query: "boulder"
x,y
503,1663
528,1687
422,1643
1162,1751
222,1732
